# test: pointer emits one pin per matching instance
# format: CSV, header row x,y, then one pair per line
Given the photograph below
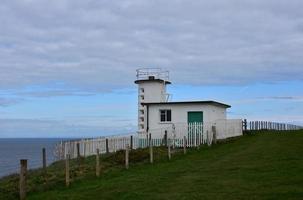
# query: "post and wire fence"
x,y
181,136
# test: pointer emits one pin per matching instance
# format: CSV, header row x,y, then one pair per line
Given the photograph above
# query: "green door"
x,y
195,131
194,117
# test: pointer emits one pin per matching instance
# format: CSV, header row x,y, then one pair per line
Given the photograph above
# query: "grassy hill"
x,y
266,165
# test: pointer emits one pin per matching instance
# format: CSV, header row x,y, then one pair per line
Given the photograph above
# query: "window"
x,y
165,115
142,90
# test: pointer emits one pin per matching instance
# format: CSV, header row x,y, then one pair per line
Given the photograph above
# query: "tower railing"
x,y
157,73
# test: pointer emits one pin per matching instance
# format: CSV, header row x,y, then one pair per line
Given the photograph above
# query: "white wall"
x,y
229,128
154,91
211,113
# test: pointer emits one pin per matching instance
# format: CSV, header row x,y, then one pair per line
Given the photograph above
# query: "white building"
x,y
157,114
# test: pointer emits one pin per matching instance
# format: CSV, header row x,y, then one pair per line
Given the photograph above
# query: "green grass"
x,y
260,166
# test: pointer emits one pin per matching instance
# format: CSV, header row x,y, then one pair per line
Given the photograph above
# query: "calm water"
x,y
12,150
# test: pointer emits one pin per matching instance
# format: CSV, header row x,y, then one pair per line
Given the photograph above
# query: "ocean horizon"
x,y
12,150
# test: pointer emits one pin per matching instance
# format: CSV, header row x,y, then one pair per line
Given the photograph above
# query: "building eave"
x,y
152,80
215,103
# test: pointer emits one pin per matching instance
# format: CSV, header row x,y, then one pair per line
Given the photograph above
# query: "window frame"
x,y
167,114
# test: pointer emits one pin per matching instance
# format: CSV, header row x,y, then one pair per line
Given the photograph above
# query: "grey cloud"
x,y
97,45
268,98
54,93
4,102
294,98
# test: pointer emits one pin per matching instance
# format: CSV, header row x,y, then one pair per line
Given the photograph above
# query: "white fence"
x,y
88,147
195,134
266,125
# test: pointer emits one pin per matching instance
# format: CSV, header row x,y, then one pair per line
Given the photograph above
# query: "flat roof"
x,y
152,80
215,103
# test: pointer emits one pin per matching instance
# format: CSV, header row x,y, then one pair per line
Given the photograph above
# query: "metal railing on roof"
x,y
157,73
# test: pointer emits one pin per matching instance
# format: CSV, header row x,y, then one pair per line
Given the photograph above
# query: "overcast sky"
x,y
67,66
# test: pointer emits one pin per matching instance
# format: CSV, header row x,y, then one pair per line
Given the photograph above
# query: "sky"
x,y
67,67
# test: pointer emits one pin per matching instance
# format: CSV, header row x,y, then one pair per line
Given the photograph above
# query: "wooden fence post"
x,y
127,157
131,142
245,125
151,153
184,144
67,178
78,151
98,163
22,183
80,160
209,138
214,134
168,149
44,160
165,138
84,148
106,145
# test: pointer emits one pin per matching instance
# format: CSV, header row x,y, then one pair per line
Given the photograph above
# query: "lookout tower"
x,y
151,89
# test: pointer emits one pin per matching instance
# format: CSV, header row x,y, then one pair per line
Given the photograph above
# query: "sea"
x,y
14,149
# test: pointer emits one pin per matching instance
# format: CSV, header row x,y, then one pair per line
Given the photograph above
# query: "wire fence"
x,y
12,150
171,136
14,168
192,135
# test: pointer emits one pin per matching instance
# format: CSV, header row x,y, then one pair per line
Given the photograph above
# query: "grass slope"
x,y
260,166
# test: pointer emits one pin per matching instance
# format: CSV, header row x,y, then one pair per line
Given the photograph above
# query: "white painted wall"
x,y
228,128
154,91
211,113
